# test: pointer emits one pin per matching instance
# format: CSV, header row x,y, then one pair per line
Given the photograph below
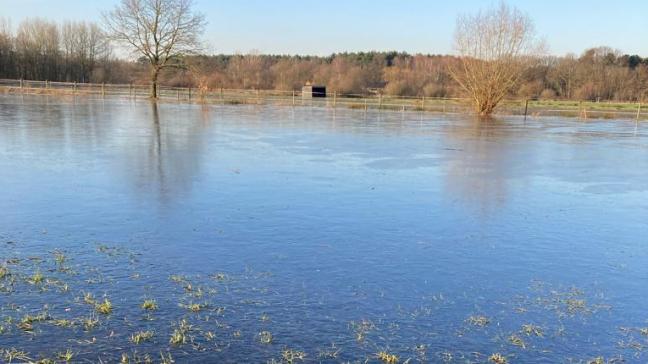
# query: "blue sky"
x,y
326,26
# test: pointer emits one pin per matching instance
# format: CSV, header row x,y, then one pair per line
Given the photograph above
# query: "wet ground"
x,y
131,233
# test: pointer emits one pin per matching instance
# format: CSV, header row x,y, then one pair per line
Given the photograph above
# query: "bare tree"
x,y
37,42
495,48
84,45
162,31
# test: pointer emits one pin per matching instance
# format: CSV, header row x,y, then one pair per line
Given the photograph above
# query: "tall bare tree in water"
x,y
162,31
495,48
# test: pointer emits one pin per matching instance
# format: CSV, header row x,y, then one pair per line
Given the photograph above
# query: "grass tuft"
x,y
141,337
481,321
67,356
387,358
517,341
532,330
498,358
290,356
149,305
36,278
90,323
4,272
265,337
105,307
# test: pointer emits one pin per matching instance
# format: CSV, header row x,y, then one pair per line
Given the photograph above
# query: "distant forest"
x,y
77,51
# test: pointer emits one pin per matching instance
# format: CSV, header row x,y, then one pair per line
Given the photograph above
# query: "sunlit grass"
x,y
104,307
12,354
90,322
142,336
387,358
4,272
290,356
180,333
195,307
59,257
149,305
532,330
36,278
166,358
89,299
178,337
63,323
517,341
498,358
66,356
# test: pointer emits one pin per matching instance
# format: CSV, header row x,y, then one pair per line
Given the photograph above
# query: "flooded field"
x,y
179,233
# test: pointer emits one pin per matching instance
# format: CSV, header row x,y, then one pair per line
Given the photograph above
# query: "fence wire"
x,y
528,108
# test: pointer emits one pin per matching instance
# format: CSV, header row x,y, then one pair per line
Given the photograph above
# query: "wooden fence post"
x,y
526,109
293,98
130,89
334,99
222,96
103,89
380,101
74,88
423,103
21,83
639,110
189,93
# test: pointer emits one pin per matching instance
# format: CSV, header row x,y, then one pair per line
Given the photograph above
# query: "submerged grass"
x,y
104,307
517,341
265,337
185,338
142,336
532,330
36,278
66,356
149,305
387,358
290,356
498,358
90,322
480,321
12,354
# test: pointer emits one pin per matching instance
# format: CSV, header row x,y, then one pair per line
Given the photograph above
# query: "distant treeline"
x,y
77,51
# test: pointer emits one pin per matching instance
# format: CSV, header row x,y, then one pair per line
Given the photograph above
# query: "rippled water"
x,y
342,233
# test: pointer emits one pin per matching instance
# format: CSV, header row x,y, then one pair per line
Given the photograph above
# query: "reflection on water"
x,y
400,229
169,158
484,166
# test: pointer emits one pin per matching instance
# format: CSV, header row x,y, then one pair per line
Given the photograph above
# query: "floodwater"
x,y
308,234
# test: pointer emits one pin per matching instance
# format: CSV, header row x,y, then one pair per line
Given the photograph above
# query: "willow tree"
x,y
161,31
495,48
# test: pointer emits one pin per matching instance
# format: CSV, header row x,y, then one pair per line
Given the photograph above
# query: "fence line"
x,y
526,107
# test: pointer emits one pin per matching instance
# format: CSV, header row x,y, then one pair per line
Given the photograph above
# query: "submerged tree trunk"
x,y
154,83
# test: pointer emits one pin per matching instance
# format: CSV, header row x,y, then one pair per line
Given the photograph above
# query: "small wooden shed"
x,y
312,91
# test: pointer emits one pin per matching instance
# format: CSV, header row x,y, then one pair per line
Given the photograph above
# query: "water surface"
x,y
342,233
